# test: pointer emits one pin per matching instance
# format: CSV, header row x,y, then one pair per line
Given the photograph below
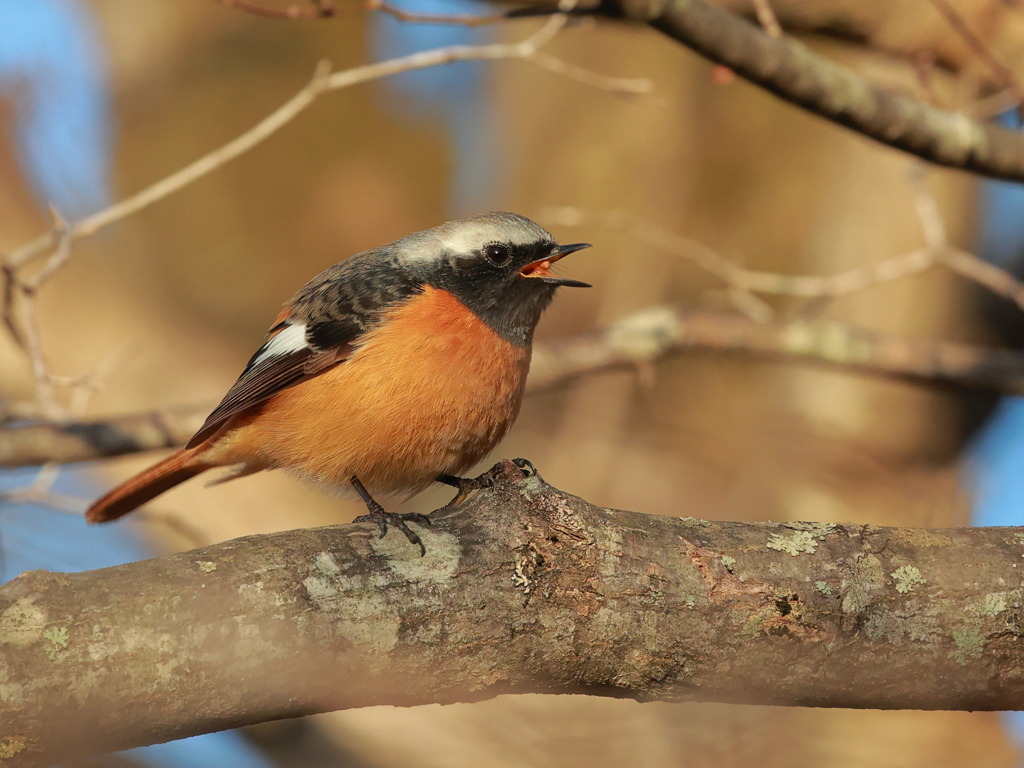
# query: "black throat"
x,y
511,307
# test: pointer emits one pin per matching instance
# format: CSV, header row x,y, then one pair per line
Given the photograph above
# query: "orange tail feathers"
x,y
133,493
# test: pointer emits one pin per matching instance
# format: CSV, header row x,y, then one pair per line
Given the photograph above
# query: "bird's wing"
x,y
285,359
318,330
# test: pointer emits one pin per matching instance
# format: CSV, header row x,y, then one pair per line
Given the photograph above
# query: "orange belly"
x,y
432,390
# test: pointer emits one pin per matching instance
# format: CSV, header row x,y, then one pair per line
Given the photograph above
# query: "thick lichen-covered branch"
x,y
524,588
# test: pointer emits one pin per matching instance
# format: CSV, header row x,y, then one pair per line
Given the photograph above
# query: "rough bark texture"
x,y
523,588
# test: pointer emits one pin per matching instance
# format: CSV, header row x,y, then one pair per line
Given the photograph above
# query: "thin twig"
x,y
766,16
1000,72
461,19
46,393
59,256
8,297
750,281
318,9
40,492
958,261
633,342
323,80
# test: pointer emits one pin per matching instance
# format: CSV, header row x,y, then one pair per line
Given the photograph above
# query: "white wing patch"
x,y
291,339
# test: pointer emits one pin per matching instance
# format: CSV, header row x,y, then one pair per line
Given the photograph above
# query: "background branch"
x,y
323,81
635,341
793,72
524,588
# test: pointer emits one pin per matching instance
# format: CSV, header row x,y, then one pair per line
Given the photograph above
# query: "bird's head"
x,y
497,264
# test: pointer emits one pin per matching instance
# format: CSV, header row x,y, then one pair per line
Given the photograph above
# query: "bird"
x,y
398,367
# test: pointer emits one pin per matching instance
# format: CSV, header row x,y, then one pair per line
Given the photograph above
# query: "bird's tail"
x,y
133,493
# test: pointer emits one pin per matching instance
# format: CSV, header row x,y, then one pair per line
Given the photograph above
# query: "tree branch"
x,y
634,341
71,441
523,588
792,72
324,81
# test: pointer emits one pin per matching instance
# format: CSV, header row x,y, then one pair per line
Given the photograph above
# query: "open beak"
x,y
541,269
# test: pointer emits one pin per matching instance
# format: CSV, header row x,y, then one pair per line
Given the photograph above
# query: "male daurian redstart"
x,y
398,367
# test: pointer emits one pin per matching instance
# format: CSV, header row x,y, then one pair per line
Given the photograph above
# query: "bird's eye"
x,y
498,254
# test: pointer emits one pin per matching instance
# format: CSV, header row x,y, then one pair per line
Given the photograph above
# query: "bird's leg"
x,y
383,518
466,485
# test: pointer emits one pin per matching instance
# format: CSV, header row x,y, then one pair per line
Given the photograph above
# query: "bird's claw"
x,y
398,520
527,466
466,485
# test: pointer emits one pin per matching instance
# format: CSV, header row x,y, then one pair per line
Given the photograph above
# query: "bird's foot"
x,y
398,520
383,518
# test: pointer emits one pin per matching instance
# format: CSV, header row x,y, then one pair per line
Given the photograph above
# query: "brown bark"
x,y
523,588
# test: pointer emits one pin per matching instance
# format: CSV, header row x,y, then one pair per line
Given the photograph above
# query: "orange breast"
x,y
432,390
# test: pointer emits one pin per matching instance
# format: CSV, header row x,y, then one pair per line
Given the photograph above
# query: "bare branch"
x,y
766,16
965,264
523,589
67,442
746,283
794,73
40,491
461,19
655,332
1000,72
632,343
324,81
315,9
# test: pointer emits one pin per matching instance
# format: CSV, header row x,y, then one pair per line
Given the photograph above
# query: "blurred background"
x,y
101,98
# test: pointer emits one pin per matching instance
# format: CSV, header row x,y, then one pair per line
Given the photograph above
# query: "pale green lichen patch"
x,y
326,565
993,604
821,530
22,623
907,577
10,694
823,587
438,564
319,589
865,577
795,543
12,746
751,627
206,566
729,562
530,486
970,644
690,601
58,638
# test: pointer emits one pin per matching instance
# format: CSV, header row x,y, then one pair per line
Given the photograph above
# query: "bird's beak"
x,y
541,269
